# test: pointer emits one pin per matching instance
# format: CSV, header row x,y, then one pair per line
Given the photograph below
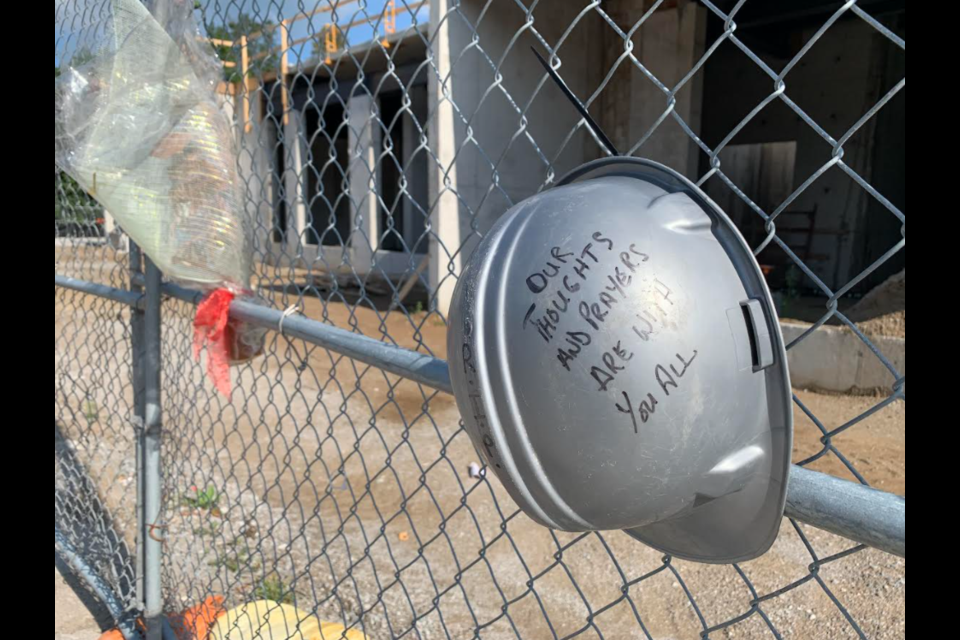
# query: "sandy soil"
x,y
892,325
882,312
888,298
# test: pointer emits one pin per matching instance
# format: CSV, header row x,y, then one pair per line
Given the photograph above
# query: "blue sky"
x,y
223,11
365,11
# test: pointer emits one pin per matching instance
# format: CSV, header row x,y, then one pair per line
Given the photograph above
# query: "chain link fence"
x,y
95,450
379,141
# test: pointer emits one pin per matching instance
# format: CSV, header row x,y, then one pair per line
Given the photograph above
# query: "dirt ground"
x,y
882,312
361,481
346,491
889,297
893,325
71,619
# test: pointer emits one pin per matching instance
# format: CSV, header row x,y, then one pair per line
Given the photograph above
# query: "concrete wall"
x,y
255,168
498,140
494,143
497,130
354,249
836,359
635,111
836,83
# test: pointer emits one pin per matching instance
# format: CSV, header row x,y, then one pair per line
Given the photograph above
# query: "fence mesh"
x,y
95,458
379,141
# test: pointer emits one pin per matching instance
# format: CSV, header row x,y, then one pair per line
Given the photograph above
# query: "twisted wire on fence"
x,y
347,491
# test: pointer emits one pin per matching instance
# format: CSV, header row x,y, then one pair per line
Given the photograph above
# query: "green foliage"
x,y
275,590
320,42
91,411
71,203
233,559
208,530
207,500
79,58
261,49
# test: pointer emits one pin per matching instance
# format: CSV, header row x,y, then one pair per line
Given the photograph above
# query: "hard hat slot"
x,y
761,345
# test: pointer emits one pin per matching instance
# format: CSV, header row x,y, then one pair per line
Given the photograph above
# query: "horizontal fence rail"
x,y
854,511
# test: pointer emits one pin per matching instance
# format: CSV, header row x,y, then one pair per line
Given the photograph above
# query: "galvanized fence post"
x,y
152,480
139,403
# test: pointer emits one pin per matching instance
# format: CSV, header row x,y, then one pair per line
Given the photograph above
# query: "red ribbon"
x,y
210,331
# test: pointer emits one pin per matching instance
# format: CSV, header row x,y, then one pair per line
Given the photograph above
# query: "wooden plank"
x,y
285,23
284,70
245,70
227,88
389,14
389,23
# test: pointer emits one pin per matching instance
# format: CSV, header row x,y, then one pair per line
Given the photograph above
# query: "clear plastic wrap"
x,y
139,127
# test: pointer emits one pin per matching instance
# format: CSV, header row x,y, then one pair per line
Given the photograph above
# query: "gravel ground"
x,y
384,525
71,619
346,491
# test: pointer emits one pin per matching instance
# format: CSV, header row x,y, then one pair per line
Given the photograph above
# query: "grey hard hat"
x,y
617,359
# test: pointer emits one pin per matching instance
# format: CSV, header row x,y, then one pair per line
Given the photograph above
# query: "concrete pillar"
x,y
669,44
477,173
109,224
256,173
364,137
111,232
295,183
446,262
266,187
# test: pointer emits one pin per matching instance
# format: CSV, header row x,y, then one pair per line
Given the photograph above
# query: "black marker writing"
x,y
666,380
647,408
545,316
607,372
645,329
476,399
576,340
